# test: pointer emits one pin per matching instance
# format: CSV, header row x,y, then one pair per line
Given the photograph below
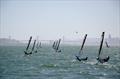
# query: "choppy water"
x,y
46,64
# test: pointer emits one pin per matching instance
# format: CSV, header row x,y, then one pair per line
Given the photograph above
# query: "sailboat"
x,y
102,60
26,51
38,45
81,50
57,46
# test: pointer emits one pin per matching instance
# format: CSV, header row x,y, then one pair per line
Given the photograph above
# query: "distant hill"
x,y
94,41
89,42
10,42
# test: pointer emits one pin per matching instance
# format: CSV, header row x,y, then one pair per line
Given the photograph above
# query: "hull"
x,y
81,59
103,60
58,50
26,53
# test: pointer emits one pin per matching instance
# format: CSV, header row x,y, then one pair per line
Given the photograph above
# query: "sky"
x,y
53,19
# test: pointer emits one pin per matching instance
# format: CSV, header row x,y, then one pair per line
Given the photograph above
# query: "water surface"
x,y
47,64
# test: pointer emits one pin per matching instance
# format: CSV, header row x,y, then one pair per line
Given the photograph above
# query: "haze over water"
x,y
55,19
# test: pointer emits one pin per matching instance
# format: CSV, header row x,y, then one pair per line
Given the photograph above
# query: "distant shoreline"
x,y
89,42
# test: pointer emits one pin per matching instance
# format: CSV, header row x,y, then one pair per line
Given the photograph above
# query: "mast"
x,y
101,44
58,44
33,45
29,43
83,43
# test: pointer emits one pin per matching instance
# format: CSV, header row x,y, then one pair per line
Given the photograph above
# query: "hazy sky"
x,y
55,19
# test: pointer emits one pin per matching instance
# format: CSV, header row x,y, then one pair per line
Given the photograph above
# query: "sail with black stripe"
x,y
83,44
58,44
107,44
29,43
101,44
33,45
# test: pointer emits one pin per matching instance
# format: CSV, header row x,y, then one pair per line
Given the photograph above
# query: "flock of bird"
x,y
56,45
